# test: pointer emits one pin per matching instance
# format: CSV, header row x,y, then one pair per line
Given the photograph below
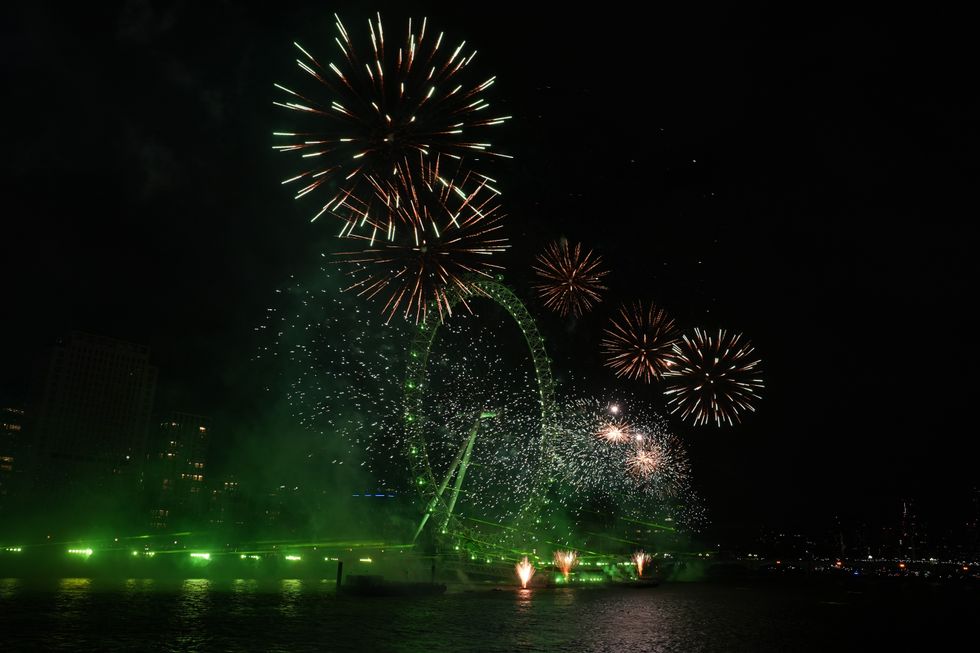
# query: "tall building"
x,y
971,538
910,537
175,469
13,454
89,415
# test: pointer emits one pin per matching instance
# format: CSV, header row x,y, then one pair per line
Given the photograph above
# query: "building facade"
x,y
13,456
89,414
175,470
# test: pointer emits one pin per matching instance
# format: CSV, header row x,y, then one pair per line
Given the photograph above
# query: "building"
x,y
228,508
175,469
89,411
13,455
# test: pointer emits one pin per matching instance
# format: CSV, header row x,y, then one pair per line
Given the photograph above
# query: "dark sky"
x,y
802,178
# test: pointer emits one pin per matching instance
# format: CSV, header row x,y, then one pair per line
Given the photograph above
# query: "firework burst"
x,y
638,342
649,465
614,433
379,103
451,226
570,280
646,459
714,378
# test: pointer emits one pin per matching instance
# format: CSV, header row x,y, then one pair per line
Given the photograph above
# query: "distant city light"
x,y
293,558
202,556
365,560
80,552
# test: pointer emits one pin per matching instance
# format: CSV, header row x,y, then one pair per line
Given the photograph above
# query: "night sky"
x,y
804,179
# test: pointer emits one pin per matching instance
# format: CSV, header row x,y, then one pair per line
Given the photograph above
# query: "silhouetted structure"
x,y
13,454
89,413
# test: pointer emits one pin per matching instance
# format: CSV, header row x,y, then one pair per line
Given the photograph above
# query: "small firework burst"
x,y
714,378
380,103
648,462
646,459
450,227
617,433
570,280
638,342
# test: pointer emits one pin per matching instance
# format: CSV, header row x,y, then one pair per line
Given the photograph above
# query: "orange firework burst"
x,y
614,433
381,102
565,560
445,232
714,378
646,459
638,342
570,281
524,571
641,559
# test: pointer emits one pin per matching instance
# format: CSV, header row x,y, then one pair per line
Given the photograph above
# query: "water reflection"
x,y
10,587
297,615
290,592
193,609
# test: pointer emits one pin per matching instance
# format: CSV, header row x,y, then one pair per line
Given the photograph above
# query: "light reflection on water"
x,y
9,587
299,615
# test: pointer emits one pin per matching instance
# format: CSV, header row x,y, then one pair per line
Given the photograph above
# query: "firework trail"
x,y
713,378
638,342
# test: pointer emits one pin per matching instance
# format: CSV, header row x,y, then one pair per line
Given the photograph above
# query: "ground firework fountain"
x,y
640,559
524,571
565,560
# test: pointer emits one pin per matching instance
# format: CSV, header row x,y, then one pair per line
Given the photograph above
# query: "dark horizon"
x,y
806,182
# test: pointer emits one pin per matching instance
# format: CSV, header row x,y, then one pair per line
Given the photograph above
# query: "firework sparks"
x,y
524,571
379,103
648,466
641,559
565,560
638,342
714,378
451,227
349,393
570,281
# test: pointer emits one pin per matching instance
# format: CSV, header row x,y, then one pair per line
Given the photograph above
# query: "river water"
x,y
297,615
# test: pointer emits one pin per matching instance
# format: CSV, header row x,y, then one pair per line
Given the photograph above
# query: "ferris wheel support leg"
x,y
462,472
433,504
